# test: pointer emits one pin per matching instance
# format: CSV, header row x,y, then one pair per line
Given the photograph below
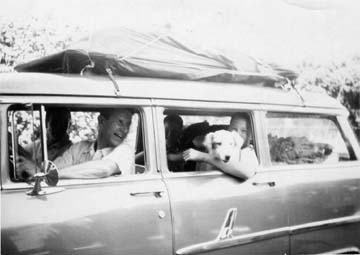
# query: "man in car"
x,y
110,154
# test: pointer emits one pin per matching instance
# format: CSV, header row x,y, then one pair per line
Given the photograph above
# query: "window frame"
x,y
210,108
336,117
143,106
17,108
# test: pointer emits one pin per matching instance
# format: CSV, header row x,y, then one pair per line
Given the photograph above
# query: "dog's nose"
x,y
227,158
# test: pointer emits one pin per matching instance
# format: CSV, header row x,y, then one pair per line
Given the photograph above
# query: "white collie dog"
x,y
222,145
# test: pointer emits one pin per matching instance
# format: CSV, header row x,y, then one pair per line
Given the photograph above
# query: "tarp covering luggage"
x,y
129,53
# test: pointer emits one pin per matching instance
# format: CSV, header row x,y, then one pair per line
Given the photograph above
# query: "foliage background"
x,y
28,39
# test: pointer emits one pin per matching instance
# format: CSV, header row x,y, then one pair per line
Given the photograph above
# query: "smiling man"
x,y
110,154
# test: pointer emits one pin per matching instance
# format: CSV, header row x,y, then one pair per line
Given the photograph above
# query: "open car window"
x,y
71,138
186,130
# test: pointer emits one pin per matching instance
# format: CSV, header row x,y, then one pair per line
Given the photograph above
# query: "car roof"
x,y
75,85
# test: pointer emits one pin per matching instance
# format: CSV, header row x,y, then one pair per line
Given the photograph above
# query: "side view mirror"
x,y
51,178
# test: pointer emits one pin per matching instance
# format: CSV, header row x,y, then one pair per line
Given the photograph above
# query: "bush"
x,y
340,80
29,39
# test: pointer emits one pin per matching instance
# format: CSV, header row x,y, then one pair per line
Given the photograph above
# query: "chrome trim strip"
x,y
12,186
238,240
255,105
77,100
264,235
347,250
324,224
311,167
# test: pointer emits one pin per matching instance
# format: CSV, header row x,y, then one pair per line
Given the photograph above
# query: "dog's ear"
x,y
238,140
208,141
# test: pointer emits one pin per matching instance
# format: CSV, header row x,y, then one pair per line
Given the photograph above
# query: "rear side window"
x,y
306,139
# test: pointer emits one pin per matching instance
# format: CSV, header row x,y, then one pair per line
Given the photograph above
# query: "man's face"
x,y
115,129
240,126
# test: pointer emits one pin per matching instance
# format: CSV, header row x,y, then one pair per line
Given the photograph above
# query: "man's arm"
x,y
90,170
244,169
119,161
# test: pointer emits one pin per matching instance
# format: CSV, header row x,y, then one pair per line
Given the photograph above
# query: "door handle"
x,y
270,184
147,193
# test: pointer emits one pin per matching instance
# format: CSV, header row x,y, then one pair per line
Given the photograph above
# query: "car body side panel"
x,y
201,201
116,215
324,201
92,219
324,206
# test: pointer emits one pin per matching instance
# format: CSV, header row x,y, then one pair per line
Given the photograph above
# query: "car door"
x,y
215,213
323,191
114,215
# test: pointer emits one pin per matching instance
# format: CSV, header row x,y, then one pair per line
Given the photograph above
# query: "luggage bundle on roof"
x,y
126,52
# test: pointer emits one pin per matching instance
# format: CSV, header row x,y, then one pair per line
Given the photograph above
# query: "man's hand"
x,y
25,168
194,155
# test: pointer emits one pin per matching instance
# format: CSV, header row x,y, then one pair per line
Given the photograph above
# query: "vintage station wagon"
x,y
303,199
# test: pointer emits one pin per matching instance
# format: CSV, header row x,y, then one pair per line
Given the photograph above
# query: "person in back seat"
x,y
173,132
192,138
57,123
